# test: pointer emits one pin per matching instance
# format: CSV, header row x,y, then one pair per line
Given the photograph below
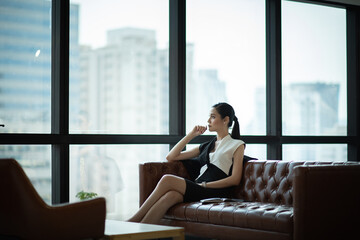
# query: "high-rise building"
x,y
25,67
123,81
258,123
124,89
25,82
310,108
203,89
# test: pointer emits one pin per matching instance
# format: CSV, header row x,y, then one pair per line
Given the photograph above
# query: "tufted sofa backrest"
x,y
271,181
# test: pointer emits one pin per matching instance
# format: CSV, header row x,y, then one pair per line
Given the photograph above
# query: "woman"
x,y
221,167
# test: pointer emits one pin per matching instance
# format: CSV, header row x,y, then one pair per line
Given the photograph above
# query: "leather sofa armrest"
x,y
150,174
326,201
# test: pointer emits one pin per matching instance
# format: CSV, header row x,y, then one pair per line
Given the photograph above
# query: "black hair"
x,y
224,110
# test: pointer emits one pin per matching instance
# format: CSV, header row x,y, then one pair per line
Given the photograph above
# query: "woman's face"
x,y
215,122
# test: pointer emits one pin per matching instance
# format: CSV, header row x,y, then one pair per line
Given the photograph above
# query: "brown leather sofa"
x,y
24,215
282,200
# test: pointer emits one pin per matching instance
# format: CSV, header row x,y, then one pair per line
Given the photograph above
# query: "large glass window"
x,y
119,84
25,66
256,151
119,66
112,171
315,152
313,69
36,162
225,56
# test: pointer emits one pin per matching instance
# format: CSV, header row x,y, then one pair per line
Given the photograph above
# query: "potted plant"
x,y
85,195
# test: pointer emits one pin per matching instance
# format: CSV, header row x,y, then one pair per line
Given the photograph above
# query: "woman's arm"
x,y
176,152
236,174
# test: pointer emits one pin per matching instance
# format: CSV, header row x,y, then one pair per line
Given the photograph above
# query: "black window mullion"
x,y
177,67
60,99
353,80
273,77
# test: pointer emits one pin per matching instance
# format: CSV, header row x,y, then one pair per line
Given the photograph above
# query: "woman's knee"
x,y
170,182
167,179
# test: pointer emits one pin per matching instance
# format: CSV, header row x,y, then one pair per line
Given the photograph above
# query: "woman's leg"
x,y
167,183
158,210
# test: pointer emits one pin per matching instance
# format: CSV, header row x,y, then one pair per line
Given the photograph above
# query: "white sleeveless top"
x,y
222,157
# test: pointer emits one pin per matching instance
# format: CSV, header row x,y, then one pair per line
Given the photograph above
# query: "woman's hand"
x,y
198,130
176,152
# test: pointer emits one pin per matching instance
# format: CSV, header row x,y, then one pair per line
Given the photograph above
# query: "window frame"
x,y
61,139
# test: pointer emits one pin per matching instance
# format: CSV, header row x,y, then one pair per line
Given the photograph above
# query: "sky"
x,y
229,36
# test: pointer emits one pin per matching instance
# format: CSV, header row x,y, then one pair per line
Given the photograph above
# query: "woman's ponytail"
x,y
235,133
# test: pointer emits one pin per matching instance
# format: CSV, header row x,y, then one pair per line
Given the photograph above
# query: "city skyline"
x,y
241,32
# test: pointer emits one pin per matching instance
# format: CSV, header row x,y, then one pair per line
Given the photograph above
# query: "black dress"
x,y
195,192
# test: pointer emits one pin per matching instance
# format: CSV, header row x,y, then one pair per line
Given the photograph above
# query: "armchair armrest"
x,y
150,174
24,215
80,220
326,201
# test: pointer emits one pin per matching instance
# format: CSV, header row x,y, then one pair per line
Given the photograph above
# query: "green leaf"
x,y
85,195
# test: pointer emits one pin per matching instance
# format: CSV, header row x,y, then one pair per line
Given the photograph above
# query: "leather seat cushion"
x,y
254,215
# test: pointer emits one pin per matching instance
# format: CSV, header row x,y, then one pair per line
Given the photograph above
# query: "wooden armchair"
x,y
24,215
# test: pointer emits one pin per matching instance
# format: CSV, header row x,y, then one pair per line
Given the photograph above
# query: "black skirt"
x,y
195,192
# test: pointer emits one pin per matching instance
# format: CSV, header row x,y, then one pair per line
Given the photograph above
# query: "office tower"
x,y
312,109
203,90
25,82
257,125
25,66
121,81
308,109
124,89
